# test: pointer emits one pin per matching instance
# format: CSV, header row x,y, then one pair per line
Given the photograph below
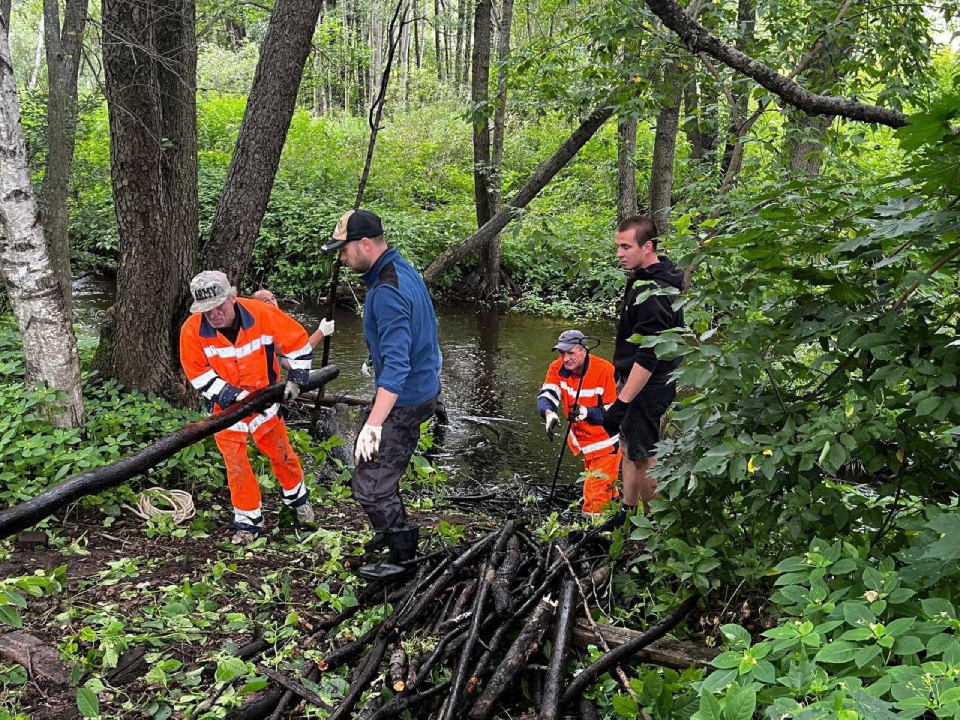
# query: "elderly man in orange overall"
x,y
594,378
229,348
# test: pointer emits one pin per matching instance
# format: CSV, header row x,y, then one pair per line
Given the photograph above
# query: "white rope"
x,y
179,502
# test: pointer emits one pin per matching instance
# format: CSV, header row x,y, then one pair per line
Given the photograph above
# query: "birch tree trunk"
x,y
63,69
49,345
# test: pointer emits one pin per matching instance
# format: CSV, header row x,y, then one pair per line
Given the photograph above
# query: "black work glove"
x,y
613,417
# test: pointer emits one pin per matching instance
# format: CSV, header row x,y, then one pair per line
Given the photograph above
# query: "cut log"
x,y
27,513
31,539
41,661
664,652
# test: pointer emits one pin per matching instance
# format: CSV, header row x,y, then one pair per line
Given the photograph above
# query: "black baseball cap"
x,y
354,225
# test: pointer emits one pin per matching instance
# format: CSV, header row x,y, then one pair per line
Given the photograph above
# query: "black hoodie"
x,y
650,317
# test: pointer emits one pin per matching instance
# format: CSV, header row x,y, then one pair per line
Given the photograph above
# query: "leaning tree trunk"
x,y
270,107
49,345
626,168
531,188
150,59
664,150
63,68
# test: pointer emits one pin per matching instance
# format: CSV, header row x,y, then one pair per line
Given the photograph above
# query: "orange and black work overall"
x,y
221,370
601,453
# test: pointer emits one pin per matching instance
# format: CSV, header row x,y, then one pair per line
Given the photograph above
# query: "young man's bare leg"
x,y
631,482
646,485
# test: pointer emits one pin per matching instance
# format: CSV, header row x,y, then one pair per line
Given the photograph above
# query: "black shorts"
x,y
640,430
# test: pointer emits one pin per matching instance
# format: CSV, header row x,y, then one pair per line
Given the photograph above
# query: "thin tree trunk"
x,y
664,150
63,68
36,297
467,42
489,268
458,53
531,188
266,121
626,168
490,255
740,88
150,57
446,40
5,14
417,46
346,60
691,109
37,56
436,39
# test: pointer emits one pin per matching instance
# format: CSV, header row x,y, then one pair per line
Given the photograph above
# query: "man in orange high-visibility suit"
x,y
229,349
601,452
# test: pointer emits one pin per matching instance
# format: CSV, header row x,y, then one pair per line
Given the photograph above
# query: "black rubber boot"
x,y
377,543
619,520
403,547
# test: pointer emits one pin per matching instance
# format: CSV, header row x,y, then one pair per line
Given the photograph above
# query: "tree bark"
x,y
417,45
270,108
626,168
49,345
534,184
664,150
467,43
480,97
63,68
490,256
150,57
698,39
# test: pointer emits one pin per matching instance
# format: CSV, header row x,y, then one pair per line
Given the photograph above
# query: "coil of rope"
x,y
179,504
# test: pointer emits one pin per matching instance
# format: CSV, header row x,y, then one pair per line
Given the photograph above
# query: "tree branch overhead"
x,y
698,39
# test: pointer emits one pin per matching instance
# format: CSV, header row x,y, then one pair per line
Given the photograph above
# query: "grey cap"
x,y
210,289
568,340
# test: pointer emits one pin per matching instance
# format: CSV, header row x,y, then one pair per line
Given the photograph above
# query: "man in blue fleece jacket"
x,y
400,329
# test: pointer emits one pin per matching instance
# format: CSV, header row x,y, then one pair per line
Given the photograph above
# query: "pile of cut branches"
x,y
482,610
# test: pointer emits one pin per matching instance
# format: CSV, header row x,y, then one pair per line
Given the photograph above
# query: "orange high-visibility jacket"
x,y
599,391
221,370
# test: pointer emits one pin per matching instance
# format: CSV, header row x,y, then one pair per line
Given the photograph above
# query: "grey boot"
x,y
403,547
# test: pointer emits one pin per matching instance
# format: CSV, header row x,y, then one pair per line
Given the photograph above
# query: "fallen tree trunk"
x,y
535,183
116,473
612,658
665,653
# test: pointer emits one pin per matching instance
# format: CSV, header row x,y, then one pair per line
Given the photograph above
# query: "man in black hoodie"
x,y
646,386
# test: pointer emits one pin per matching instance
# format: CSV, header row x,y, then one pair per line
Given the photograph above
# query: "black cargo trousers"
x,y
376,485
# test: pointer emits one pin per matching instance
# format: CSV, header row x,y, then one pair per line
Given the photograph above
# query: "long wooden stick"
x,y
116,473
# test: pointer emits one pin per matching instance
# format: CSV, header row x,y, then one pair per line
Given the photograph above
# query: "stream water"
x,y
493,366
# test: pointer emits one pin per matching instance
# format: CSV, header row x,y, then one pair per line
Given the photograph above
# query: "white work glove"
x,y
368,444
243,395
551,421
291,391
366,369
326,327
580,413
